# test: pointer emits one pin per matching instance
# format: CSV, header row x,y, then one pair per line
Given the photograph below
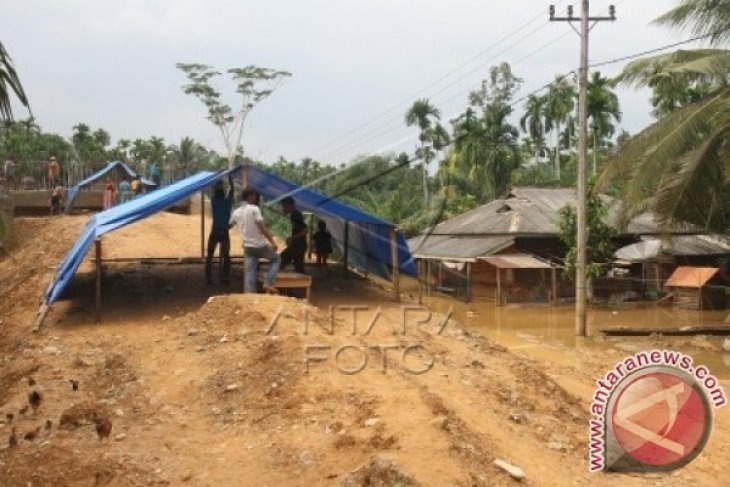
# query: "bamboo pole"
x,y
345,246
499,288
310,233
469,282
554,286
395,263
420,278
97,284
202,224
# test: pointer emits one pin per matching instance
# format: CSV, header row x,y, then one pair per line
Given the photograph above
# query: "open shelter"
x,y
112,166
367,242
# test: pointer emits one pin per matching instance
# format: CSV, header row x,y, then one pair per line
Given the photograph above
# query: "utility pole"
x,y
581,274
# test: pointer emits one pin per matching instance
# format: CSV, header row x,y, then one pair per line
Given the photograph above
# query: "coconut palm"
x,y
533,122
9,82
679,167
603,111
560,104
422,114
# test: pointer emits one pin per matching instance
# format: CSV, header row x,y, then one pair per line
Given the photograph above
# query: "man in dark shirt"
x,y
221,205
296,245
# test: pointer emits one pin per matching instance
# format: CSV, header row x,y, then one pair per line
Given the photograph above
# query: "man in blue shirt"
x,y
221,205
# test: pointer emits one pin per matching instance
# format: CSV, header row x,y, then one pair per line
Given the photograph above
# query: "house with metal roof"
x,y
455,254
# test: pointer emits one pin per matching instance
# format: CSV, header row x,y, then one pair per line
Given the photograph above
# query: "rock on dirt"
x,y
379,473
513,471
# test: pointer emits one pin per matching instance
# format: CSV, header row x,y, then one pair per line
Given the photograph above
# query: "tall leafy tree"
x,y
679,167
560,104
253,83
423,114
603,112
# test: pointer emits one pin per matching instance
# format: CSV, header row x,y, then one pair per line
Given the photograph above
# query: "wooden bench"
x,y
293,280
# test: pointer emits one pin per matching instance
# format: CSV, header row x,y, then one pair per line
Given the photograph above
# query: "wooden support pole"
x,y
469,282
345,248
499,288
97,284
420,278
202,225
554,286
244,175
395,263
310,234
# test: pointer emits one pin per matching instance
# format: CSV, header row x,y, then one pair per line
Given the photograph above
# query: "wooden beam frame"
x,y
202,224
345,248
97,283
395,263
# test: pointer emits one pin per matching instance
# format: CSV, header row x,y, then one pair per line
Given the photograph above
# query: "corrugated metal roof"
x,y
691,276
516,261
682,245
531,211
449,247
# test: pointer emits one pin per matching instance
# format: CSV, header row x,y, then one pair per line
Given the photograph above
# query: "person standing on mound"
x,y
258,242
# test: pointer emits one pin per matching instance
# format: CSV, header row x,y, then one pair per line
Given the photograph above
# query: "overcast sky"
x,y
111,63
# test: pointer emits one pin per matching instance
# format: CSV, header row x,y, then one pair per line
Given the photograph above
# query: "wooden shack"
x,y
697,288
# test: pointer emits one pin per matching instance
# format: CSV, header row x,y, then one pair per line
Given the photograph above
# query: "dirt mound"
x,y
82,414
58,466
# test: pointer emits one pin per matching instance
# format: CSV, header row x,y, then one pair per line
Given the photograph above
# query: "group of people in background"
x,y
127,191
258,240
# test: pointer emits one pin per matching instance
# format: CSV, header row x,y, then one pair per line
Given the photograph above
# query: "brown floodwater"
x,y
543,332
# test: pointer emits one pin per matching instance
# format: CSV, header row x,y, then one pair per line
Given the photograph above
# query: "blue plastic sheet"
x,y
74,191
369,236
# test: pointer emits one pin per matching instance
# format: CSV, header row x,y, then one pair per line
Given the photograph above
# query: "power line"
x,y
650,51
396,122
438,80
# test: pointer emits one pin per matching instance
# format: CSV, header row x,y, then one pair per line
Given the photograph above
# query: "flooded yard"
x,y
542,332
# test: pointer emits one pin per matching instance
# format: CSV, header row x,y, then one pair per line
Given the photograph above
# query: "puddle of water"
x,y
542,332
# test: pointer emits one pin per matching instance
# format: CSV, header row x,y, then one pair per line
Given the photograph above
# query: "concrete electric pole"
x,y
581,274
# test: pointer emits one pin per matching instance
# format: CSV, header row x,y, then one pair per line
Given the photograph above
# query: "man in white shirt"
x,y
258,242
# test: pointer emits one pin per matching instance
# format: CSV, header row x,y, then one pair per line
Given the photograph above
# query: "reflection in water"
x,y
543,331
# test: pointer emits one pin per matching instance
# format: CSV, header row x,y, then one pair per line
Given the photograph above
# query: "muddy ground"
x,y
205,386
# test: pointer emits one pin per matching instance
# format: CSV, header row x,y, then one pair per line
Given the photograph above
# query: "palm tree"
x,y
679,167
487,150
533,123
421,113
560,104
603,110
441,140
9,82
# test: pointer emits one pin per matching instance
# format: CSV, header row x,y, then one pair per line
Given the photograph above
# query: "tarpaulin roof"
x,y
678,245
370,234
517,261
691,276
74,191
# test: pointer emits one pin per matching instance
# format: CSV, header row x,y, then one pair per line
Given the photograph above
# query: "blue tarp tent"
x,y
111,166
369,236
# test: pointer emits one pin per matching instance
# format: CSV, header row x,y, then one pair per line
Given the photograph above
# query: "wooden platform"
x,y
293,280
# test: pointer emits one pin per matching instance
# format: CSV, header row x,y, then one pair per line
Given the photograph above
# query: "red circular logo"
x,y
661,419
